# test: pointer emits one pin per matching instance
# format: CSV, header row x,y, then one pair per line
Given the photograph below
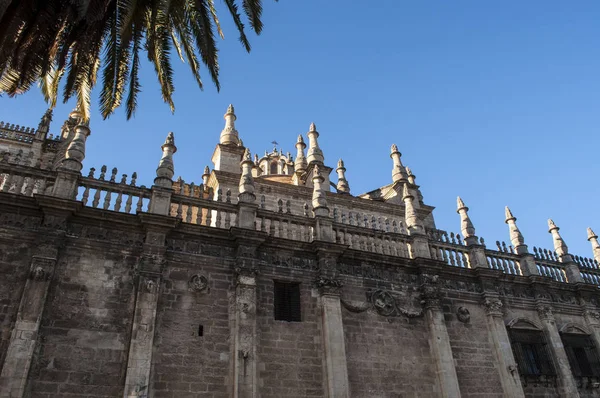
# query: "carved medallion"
x,y
463,314
198,283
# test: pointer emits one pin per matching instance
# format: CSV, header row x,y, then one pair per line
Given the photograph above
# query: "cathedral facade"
x,y
269,278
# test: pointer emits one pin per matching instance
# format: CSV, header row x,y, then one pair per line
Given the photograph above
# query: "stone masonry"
x,y
267,279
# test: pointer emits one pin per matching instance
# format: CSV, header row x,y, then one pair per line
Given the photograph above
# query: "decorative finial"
x,y
301,164
319,201
314,154
205,176
170,140
411,176
516,238
413,224
593,238
342,185
398,171
44,125
229,135
560,246
466,226
246,186
166,168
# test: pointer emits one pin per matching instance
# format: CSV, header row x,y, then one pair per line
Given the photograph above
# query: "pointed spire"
x,y
246,186
166,168
75,152
410,175
414,225
342,185
44,125
560,246
319,201
205,176
301,164
314,154
229,135
516,238
398,171
593,238
466,226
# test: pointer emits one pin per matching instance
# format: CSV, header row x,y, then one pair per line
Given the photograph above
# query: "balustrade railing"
x,y
193,209
24,180
285,225
448,247
548,265
372,240
589,269
111,195
16,133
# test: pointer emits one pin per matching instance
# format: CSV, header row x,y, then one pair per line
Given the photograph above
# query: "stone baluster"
x,y
439,341
561,249
526,260
567,387
160,203
507,367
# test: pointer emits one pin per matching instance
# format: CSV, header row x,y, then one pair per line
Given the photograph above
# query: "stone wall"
x,y
85,329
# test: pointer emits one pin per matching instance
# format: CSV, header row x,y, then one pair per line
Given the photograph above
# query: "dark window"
x,y
531,353
582,355
274,168
287,301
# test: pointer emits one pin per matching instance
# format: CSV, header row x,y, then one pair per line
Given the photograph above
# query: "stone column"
x,y
566,383
23,339
509,375
149,277
334,344
439,342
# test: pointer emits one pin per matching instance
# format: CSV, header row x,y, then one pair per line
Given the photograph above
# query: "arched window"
x,y
273,169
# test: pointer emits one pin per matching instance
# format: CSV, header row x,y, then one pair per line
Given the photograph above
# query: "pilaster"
x,y
507,366
148,283
567,387
24,335
439,342
334,345
245,360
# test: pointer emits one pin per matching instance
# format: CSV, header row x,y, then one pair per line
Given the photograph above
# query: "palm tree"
x,y
65,43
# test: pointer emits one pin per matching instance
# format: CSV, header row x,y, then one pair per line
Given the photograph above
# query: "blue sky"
x,y
497,102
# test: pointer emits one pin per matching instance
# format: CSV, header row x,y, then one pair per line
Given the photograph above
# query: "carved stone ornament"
x,y
545,312
246,270
329,285
430,291
198,283
383,302
151,286
493,306
39,274
463,314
